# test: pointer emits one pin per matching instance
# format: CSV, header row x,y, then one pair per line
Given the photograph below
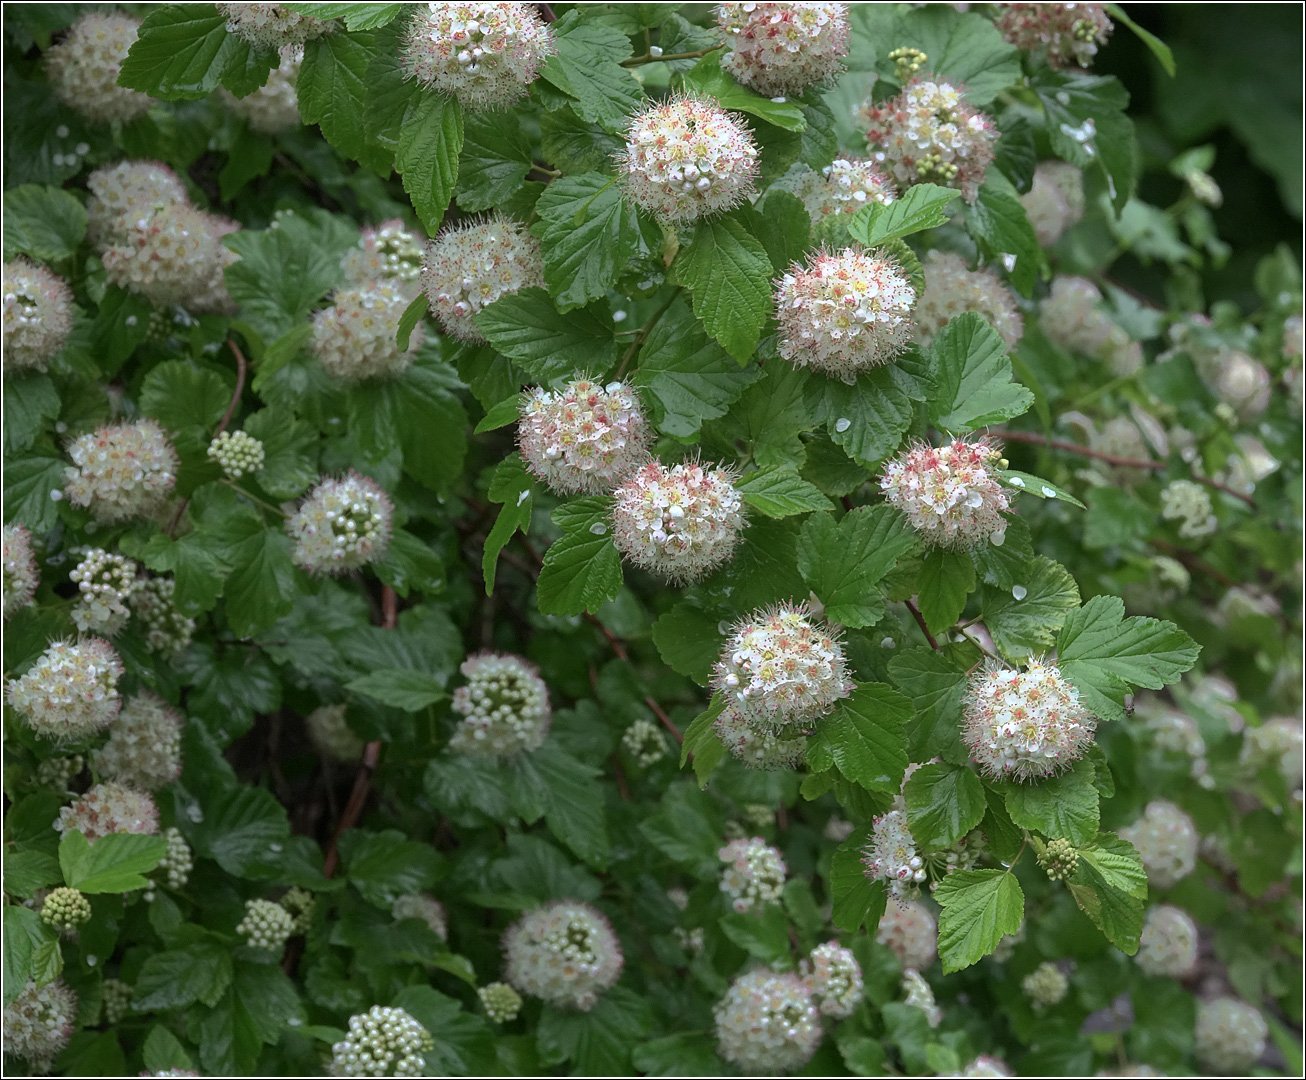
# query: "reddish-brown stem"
x,y
622,787
920,621
619,647
1193,562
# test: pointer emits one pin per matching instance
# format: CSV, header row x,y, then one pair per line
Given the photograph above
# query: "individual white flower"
x,y
1188,503
83,68
388,252
354,336
500,1001
1046,985
917,993
1063,34
686,158
342,524
383,1041
835,980
842,188
950,494
175,256
1055,200
754,873
1229,1037
1276,742
425,907
891,854
270,27
504,706
177,862
1071,318
781,49
71,692
115,996
1167,842
911,933
167,631
330,733
237,453
38,315
21,574
564,953
104,582
951,289
755,746
125,196
39,1023
274,107
266,925
121,471
144,746
110,808
767,1023
844,312
644,742
1168,943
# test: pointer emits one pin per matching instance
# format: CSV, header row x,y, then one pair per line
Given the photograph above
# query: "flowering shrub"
x,y
611,539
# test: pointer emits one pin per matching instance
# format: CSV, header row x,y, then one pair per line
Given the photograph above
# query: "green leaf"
x,y
495,158
973,375
23,931
599,1041
1116,912
945,581
1029,625
385,865
778,491
30,399
869,418
587,67
199,569
174,978
1158,47
763,933
582,569
944,803
687,1054
525,327
432,423
163,1051
410,563
936,685
179,394
1109,143
332,87
183,51
114,863
411,691
573,801
27,488
44,222
1037,486
1118,862
413,314
501,415
701,742
1004,839
688,640
1115,518
728,274
844,562
706,77
857,901
243,830
511,486
587,233
922,206
289,449
427,159
460,1038
1060,806
980,907
355,16
261,588
27,871
1000,227
865,737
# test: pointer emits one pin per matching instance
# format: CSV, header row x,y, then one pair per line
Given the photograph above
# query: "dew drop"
x,y
523,496
618,316
1019,592
598,528
91,961
888,643
723,627
1048,493
1009,261
842,424
1016,481
275,848
61,132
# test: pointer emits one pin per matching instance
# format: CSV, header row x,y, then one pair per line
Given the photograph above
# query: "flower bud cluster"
x,y
58,772
422,906
687,158
1065,34
266,925
110,808
1055,200
271,27
1276,742
692,941
65,909
38,315
951,290
83,68
835,980
1229,1037
1168,943
167,631
757,815
388,252
1167,842
116,997
1046,985
767,1023
918,993
470,265
237,453
121,471
844,312
299,904
144,747
950,494
500,1001
643,741
21,574
780,49
756,747
177,861
1071,318
891,854
39,1023
929,135
343,524
584,438
842,188
384,1041
354,337
484,54
1189,503
564,953
71,692
754,873
907,62
331,734
274,107
1059,859
505,706
909,931
104,584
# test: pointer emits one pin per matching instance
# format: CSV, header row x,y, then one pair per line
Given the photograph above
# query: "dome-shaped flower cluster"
x,y
780,49
1071,318
167,631
584,438
1024,725
842,188
910,932
754,873
951,290
21,574
891,855
756,747
1166,840
116,997
950,494
71,692
343,524
485,55
1055,200
144,746
59,772
104,584
354,337
687,158
844,312
110,808
121,471
1065,34
274,107
1176,733
38,315
422,906
1276,742
387,252
1189,503
330,733
127,194
177,861
472,264
271,27
266,925
237,453
767,1023
83,68
680,522
643,741
1168,943
929,135
65,909
564,953
1059,859
1229,1037
383,1041
39,1023
835,980
505,706
918,994
1046,985
1241,383
500,1001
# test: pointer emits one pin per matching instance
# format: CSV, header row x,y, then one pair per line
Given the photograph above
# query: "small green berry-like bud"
x,y
266,925
906,62
1059,859
299,903
116,996
65,909
500,1001
237,452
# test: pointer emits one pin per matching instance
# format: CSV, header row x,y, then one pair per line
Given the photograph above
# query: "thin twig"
x,y
619,648
649,58
622,788
920,621
644,332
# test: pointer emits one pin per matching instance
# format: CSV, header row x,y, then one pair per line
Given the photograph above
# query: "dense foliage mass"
x,y
595,539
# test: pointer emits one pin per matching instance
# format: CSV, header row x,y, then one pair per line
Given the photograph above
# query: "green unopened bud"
x,y
500,1001
65,909
237,452
1059,859
116,996
1083,30
906,62
299,904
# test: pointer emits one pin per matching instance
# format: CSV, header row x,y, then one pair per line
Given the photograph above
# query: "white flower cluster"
x,y
842,188
985,1065
388,252
950,494
1046,985
929,135
1276,742
1178,734
422,906
918,993
485,55
83,68
1062,33
237,453
65,910
755,747
1241,383
1024,725
564,953
177,861
110,808
844,312
500,1001
330,733
767,1023
266,925
1071,318
1229,1037
167,631
38,315
121,471
21,574
1055,200
58,772
1189,503
680,522
584,438
754,873
115,996
472,264
505,706
175,1071
125,194
354,337
274,107
910,932
780,49
270,27
687,158
104,584
891,856
951,290
643,741
1167,842
835,980
342,524
384,1041
144,746
1168,943
39,1023
71,692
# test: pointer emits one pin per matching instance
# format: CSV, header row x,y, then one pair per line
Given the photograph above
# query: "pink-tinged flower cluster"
x,y
354,337
21,574
842,188
754,873
38,315
891,856
679,522
952,289
929,135
1066,34
584,438
1071,318
767,1023
1024,725
39,1023
504,706
910,932
1055,200
144,746
1229,1036
844,312
564,953
274,107
485,55
755,747
1166,840
687,158
83,68
835,980
343,524
124,196
780,49
121,471
271,27
472,264
781,670
387,252
71,692
110,808
949,494
1168,943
